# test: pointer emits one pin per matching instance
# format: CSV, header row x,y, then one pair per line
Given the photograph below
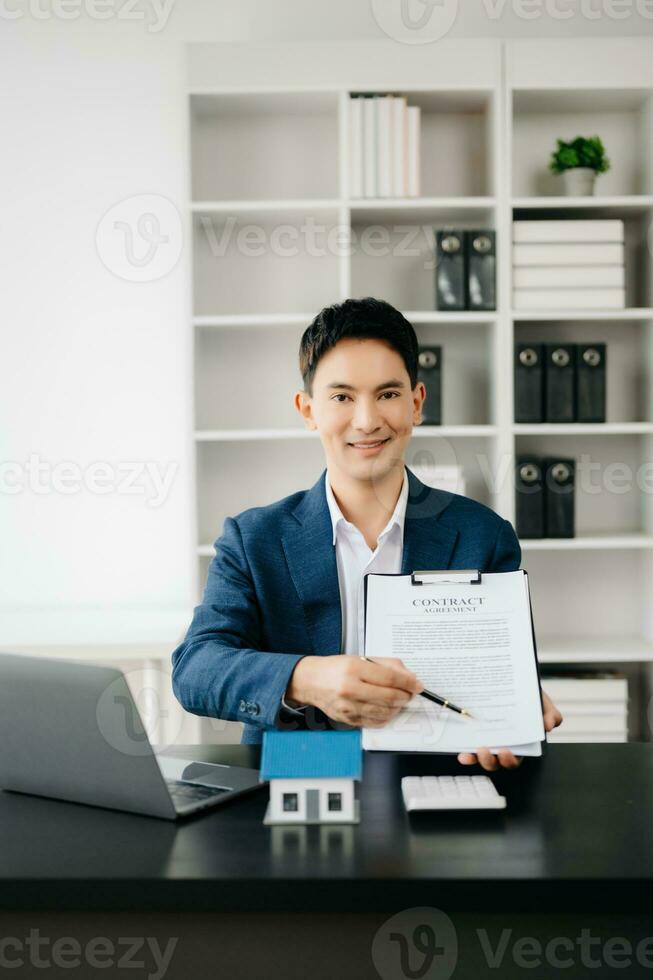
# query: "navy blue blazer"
x,y
272,594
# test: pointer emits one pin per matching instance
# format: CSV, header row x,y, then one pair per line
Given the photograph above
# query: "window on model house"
x,y
290,802
334,801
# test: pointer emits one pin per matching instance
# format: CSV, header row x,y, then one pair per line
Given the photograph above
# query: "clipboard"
x,y
468,576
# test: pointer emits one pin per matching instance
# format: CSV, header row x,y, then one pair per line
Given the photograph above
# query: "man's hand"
x,y
353,690
506,758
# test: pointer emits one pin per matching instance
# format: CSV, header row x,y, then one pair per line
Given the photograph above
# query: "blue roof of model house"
x,y
323,755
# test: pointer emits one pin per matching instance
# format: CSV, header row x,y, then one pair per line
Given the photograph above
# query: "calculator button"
x,y
451,792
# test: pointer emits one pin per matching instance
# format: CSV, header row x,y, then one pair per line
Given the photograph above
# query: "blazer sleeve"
x,y
219,670
507,551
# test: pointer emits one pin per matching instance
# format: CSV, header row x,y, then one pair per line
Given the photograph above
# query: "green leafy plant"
x,y
581,152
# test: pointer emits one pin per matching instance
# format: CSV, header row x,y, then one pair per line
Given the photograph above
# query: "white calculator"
x,y
451,793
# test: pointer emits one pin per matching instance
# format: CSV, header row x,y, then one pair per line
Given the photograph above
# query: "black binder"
x,y
449,270
590,382
529,382
429,371
559,497
529,497
560,382
480,253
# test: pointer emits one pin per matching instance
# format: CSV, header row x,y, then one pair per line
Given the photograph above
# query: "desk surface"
x,y
576,834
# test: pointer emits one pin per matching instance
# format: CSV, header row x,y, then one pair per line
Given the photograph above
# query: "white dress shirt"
x,y
354,558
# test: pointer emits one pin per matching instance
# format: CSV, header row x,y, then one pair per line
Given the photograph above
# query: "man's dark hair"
x,y
363,319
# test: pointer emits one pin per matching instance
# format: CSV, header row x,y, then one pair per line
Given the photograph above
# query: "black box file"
x,y
480,253
559,497
529,497
590,382
529,382
449,270
429,372
560,382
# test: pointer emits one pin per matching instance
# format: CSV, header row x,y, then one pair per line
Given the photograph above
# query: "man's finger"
x,y
387,697
508,759
487,760
552,719
390,675
551,715
372,714
365,693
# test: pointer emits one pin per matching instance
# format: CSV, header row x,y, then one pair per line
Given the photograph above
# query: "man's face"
x,y
363,407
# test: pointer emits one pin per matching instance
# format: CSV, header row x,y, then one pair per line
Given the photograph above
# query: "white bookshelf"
x,y
269,147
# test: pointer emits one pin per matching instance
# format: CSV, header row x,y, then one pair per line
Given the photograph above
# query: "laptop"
x,y
73,731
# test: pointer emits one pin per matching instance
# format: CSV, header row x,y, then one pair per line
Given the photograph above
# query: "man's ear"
x,y
304,405
419,394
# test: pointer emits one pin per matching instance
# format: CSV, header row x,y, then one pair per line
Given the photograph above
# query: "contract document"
x,y
469,638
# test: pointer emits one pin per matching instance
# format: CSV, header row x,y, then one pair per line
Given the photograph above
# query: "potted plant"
x,y
579,162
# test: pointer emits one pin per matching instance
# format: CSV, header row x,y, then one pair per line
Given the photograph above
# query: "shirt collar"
x,y
398,515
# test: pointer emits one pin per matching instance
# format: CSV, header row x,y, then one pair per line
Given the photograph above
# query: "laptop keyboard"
x,y
184,793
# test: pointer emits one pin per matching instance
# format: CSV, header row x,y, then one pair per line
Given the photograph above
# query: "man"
x,y
284,590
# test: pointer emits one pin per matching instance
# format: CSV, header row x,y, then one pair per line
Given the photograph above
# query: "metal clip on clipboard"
x,y
467,576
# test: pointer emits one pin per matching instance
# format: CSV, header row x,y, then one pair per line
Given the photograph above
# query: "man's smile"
x,y
368,447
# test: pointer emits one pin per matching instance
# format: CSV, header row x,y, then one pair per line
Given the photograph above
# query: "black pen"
x,y
436,698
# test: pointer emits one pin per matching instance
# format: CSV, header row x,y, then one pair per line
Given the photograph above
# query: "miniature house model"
x,y
311,776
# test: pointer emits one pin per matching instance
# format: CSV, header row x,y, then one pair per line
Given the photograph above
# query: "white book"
x,y
369,149
593,723
582,737
469,641
384,141
568,275
561,253
356,147
568,299
587,688
414,115
569,230
590,707
399,146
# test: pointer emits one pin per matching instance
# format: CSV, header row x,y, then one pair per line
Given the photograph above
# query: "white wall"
x,y
93,368
97,368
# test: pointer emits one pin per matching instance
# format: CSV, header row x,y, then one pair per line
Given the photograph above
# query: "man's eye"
x,y
392,394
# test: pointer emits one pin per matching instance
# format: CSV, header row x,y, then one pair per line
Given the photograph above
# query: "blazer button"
x,y
255,708
242,706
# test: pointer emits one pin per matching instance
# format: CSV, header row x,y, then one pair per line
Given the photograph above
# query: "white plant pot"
x,y
579,181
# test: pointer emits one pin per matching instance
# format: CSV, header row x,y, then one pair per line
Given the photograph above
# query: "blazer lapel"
x,y
427,543
311,558
311,555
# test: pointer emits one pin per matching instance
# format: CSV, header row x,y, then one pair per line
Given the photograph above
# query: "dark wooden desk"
x,y
573,850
